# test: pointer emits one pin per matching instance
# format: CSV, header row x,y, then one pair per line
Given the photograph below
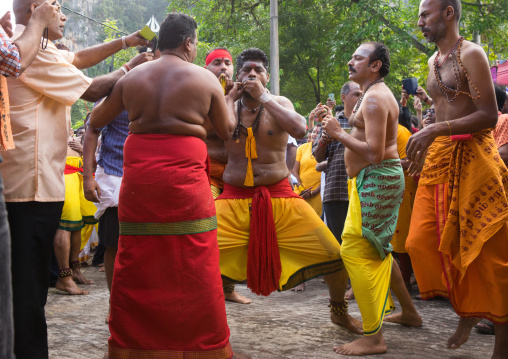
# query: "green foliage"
x,y
318,37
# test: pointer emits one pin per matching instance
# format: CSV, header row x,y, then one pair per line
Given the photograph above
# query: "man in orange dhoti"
x,y
457,240
166,295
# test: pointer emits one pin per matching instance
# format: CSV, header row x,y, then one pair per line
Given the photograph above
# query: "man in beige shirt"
x,y
34,171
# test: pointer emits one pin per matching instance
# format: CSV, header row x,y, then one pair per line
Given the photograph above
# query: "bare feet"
x,y
372,344
409,319
461,335
107,317
101,269
349,294
299,288
78,276
348,322
240,356
237,298
67,285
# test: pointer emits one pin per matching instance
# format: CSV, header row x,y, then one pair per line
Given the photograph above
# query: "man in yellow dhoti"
x,y
76,213
376,186
267,234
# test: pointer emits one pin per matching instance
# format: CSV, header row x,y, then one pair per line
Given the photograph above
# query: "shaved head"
x,y
455,4
22,10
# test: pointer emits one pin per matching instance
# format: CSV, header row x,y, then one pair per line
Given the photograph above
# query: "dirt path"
x,y
293,325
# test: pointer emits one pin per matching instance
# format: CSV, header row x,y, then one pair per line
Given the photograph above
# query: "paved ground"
x,y
293,325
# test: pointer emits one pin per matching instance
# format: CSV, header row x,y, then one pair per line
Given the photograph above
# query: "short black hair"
x,y
252,54
339,108
500,97
175,29
455,4
380,53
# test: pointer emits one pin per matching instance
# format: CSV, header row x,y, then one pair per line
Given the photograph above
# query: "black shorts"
x,y
109,228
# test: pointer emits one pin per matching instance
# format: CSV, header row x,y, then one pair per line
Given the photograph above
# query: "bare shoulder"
x,y
472,53
283,101
432,59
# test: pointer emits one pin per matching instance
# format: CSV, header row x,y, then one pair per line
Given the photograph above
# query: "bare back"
x,y
271,140
381,127
170,95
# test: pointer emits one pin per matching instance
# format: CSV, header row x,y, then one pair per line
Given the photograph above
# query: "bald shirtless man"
x,y
376,182
220,62
166,297
267,234
457,239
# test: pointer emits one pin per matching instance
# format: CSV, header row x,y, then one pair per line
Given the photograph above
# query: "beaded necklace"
x,y
240,126
457,62
358,104
253,110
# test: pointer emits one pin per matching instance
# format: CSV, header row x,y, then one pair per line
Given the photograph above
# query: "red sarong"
x,y
263,261
167,299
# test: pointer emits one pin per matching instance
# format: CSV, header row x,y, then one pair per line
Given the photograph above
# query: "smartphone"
x,y
331,96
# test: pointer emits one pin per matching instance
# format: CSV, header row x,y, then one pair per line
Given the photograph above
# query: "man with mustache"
x,y
376,182
268,234
457,240
220,62
34,170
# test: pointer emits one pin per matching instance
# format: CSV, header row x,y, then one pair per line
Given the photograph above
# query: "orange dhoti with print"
x,y
458,236
167,300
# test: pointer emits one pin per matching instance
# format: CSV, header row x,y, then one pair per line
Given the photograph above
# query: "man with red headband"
x,y
220,63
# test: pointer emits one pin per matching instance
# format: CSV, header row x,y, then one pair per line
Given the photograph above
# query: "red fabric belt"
x,y
263,259
71,169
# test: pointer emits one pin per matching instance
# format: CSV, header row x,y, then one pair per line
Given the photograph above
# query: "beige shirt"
x,y
40,118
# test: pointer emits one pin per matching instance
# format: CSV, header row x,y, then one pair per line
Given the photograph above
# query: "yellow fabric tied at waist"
x,y
251,153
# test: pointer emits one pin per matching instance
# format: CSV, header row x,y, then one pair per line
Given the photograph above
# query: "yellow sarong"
x,y
77,211
307,247
368,230
369,274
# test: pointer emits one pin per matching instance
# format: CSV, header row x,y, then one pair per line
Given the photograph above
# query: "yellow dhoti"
x,y
78,212
307,247
367,232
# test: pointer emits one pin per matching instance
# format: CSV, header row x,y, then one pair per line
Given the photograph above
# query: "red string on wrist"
x,y
127,66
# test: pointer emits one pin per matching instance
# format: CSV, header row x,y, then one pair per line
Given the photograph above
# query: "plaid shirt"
x,y
10,64
336,175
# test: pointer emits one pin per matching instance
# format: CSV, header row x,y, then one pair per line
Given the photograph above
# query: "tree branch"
x,y
404,34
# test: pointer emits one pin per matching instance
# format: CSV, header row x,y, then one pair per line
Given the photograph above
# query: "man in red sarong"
x,y
166,296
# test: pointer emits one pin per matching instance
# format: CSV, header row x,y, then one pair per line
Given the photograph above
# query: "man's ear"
x,y
343,98
449,13
376,66
268,78
187,44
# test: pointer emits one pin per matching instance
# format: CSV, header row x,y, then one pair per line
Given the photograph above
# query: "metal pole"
x,y
274,48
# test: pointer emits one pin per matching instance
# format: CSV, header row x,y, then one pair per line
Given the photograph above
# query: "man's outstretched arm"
x,y
91,56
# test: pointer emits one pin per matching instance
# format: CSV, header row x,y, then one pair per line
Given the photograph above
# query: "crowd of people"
x,y
203,185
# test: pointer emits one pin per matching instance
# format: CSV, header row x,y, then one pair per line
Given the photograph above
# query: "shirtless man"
x,y
377,186
167,292
220,63
284,242
471,241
